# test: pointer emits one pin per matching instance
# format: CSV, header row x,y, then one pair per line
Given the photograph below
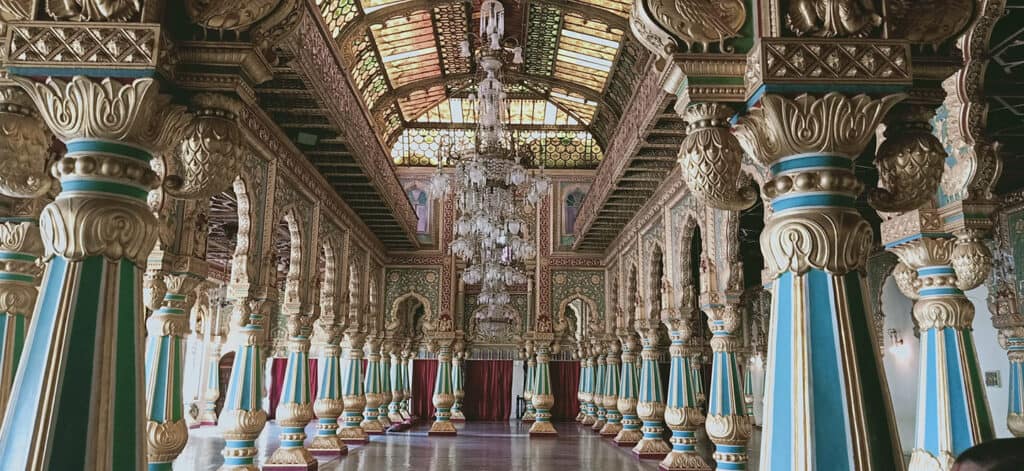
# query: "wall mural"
x,y
402,281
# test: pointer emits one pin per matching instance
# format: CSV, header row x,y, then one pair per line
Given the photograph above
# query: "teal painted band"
x,y
812,200
20,220
99,186
927,292
7,276
17,256
931,235
175,297
99,72
91,146
811,161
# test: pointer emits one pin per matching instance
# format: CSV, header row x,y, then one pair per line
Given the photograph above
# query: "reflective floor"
x,y
479,446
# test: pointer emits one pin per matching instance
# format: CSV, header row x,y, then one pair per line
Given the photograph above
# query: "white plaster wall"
x,y
901,362
518,383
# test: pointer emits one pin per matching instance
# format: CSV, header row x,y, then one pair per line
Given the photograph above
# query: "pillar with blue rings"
x,y
328,405
352,391
629,389
295,409
597,399
682,413
19,282
651,400
1015,352
613,418
727,424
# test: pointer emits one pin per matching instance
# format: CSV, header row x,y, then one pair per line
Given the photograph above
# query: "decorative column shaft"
x,y
824,367
243,418
952,411
407,370
372,389
531,375
83,353
682,413
352,391
613,419
458,384
1015,351
543,398
20,249
295,409
590,412
444,394
208,414
629,386
329,404
598,397
651,401
166,430
397,375
748,389
385,386
728,424
580,387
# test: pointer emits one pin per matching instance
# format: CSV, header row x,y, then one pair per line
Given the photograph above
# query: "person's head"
x,y
1005,454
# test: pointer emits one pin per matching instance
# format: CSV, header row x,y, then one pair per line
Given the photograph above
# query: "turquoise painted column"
x,y
651,399
20,249
697,371
613,423
166,429
629,387
407,370
372,389
580,385
598,396
295,409
682,413
208,415
826,403
397,374
444,393
352,391
543,398
952,410
590,412
83,352
727,423
385,385
329,404
531,375
748,389
242,419
1015,351
458,385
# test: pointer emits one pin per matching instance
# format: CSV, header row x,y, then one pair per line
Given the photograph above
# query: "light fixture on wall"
x,y
896,346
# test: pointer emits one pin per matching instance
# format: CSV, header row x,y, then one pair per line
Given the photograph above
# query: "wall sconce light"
x,y
895,337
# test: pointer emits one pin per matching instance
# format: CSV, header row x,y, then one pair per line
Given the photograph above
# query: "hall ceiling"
x,y
565,101
1004,86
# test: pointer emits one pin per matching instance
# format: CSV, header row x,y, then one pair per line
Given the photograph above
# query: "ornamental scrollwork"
x,y
94,10
711,156
971,259
703,22
832,18
227,15
76,228
837,242
23,146
909,161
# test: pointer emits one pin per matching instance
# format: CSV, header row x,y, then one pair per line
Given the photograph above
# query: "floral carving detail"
x,y
210,156
832,18
23,146
94,10
700,21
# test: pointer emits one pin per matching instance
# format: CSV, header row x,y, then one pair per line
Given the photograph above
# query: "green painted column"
x,y
385,385
242,419
88,322
444,393
372,390
612,415
458,383
352,391
397,374
531,366
295,410
543,398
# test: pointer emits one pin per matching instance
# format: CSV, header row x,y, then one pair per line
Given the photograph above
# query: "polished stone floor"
x,y
479,446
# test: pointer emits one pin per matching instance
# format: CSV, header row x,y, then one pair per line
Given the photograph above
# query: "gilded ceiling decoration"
x,y
405,58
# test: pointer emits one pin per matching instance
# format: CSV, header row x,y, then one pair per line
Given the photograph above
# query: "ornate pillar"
x,y
629,386
166,430
385,384
208,414
242,419
697,372
935,268
613,419
97,234
372,389
1013,341
397,375
543,397
444,395
748,389
589,411
682,413
651,400
407,370
582,355
531,374
352,390
816,241
727,422
458,384
598,396
20,250
329,404
295,409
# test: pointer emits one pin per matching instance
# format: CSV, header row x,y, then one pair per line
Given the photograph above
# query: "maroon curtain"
x,y
488,390
424,372
277,369
565,383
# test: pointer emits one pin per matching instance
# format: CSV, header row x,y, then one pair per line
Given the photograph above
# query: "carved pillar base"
x,y
242,418
352,392
444,396
681,412
328,405
629,384
295,411
542,399
630,434
651,402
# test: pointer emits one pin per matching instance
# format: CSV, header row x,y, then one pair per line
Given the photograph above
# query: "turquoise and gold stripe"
x,y
531,375
597,401
397,378
243,397
328,390
629,385
164,363
443,385
87,325
682,398
12,341
1015,409
293,411
372,391
352,384
588,392
651,395
748,390
457,387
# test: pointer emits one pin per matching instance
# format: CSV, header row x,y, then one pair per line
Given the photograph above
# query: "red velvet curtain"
x,y
565,383
424,372
488,390
277,369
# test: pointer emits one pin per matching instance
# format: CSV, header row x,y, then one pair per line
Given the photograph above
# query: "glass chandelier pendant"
x,y
494,192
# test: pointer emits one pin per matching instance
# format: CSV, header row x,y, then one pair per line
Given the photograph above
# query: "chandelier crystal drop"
x,y
495,194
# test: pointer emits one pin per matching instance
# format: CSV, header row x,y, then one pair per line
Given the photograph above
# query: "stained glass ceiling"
x,y
563,102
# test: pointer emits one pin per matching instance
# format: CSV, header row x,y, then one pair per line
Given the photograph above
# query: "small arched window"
x,y
573,202
420,204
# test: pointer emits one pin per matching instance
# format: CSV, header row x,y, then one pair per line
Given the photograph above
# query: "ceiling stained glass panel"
x,y
337,14
529,112
551,148
408,48
620,7
586,50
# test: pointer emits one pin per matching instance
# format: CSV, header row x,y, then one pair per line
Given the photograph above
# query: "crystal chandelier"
x,y
494,192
